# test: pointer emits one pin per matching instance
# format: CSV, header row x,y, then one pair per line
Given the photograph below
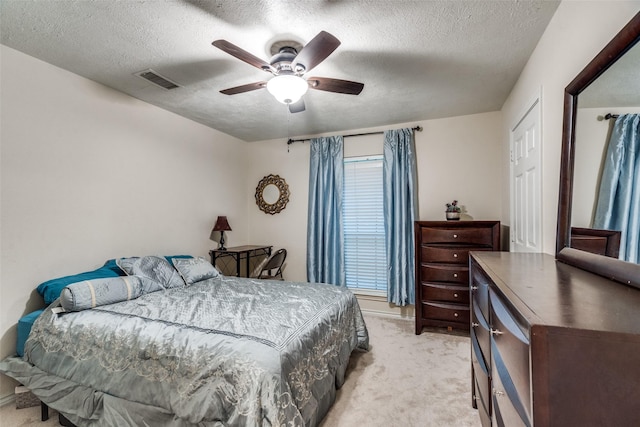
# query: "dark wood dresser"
x,y
442,269
601,242
552,345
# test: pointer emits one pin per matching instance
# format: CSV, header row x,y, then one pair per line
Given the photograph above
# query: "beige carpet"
x,y
405,380
12,417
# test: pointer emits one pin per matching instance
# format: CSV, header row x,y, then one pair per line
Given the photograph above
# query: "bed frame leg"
x,y
63,421
44,411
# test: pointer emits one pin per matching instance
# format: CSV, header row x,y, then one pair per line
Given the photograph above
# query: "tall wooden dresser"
x,y
442,269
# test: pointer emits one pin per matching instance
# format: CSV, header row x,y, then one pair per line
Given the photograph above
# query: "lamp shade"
x,y
288,88
222,224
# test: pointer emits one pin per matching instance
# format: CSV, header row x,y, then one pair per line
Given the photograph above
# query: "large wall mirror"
x,y
608,87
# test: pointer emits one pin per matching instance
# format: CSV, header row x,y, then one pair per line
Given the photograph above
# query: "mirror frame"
x,y
283,197
614,269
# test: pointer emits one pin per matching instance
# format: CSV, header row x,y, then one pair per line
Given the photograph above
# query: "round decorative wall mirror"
x,y
272,194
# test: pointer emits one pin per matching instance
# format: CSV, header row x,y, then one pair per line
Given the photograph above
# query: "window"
x,y
364,243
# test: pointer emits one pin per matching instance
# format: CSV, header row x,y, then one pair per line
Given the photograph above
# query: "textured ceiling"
x,y
418,60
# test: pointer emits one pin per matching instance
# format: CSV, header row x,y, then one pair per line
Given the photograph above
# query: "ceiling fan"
x,y
288,65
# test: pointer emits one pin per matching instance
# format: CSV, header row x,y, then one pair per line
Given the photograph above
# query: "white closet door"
x,y
526,182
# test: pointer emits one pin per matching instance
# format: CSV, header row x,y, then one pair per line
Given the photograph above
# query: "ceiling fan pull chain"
x,y
288,126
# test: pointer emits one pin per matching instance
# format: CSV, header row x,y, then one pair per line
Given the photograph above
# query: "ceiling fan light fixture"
x,y
287,89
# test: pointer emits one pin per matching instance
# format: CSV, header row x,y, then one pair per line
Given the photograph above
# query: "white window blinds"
x,y
365,258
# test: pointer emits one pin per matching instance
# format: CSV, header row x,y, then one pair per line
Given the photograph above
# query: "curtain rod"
x,y
291,141
610,116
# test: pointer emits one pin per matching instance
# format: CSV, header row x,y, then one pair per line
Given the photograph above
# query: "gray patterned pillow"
x,y
93,293
156,268
194,270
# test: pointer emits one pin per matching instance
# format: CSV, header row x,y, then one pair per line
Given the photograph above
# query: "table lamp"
x,y
222,225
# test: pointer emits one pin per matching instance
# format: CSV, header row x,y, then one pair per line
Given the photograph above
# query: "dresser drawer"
x,y
480,330
445,273
510,349
454,255
480,291
447,293
485,417
507,405
481,383
459,236
446,312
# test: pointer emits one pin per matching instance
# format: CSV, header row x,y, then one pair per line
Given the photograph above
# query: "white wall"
x,y
576,33
458,158
90,174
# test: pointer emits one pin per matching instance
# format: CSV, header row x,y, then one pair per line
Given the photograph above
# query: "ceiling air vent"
x,y
157,79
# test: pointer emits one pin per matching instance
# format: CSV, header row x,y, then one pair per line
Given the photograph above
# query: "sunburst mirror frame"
x,y
283,196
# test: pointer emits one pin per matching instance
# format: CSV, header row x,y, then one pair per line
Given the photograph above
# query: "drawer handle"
x,y
474,324
474,288
455,236
455,295
455,255
455,274
496,332
455,314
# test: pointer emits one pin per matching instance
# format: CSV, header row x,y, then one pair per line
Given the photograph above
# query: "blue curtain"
x,y
325,235
400,207
618,206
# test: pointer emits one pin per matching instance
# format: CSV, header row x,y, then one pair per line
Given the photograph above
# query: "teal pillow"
x,y
112,265
50,290
24,328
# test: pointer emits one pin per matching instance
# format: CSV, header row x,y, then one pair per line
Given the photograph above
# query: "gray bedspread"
x,y
225,351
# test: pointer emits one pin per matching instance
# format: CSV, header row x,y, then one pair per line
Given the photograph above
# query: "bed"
x,y
213,351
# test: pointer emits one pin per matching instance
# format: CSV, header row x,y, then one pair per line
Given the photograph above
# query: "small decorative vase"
x,y
453,216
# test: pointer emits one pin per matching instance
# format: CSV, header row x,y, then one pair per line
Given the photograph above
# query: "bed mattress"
x,y
225,351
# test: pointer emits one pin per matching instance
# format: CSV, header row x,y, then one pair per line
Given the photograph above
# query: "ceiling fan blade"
x,y
297,107
242,55
316,51
244,88
335,85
